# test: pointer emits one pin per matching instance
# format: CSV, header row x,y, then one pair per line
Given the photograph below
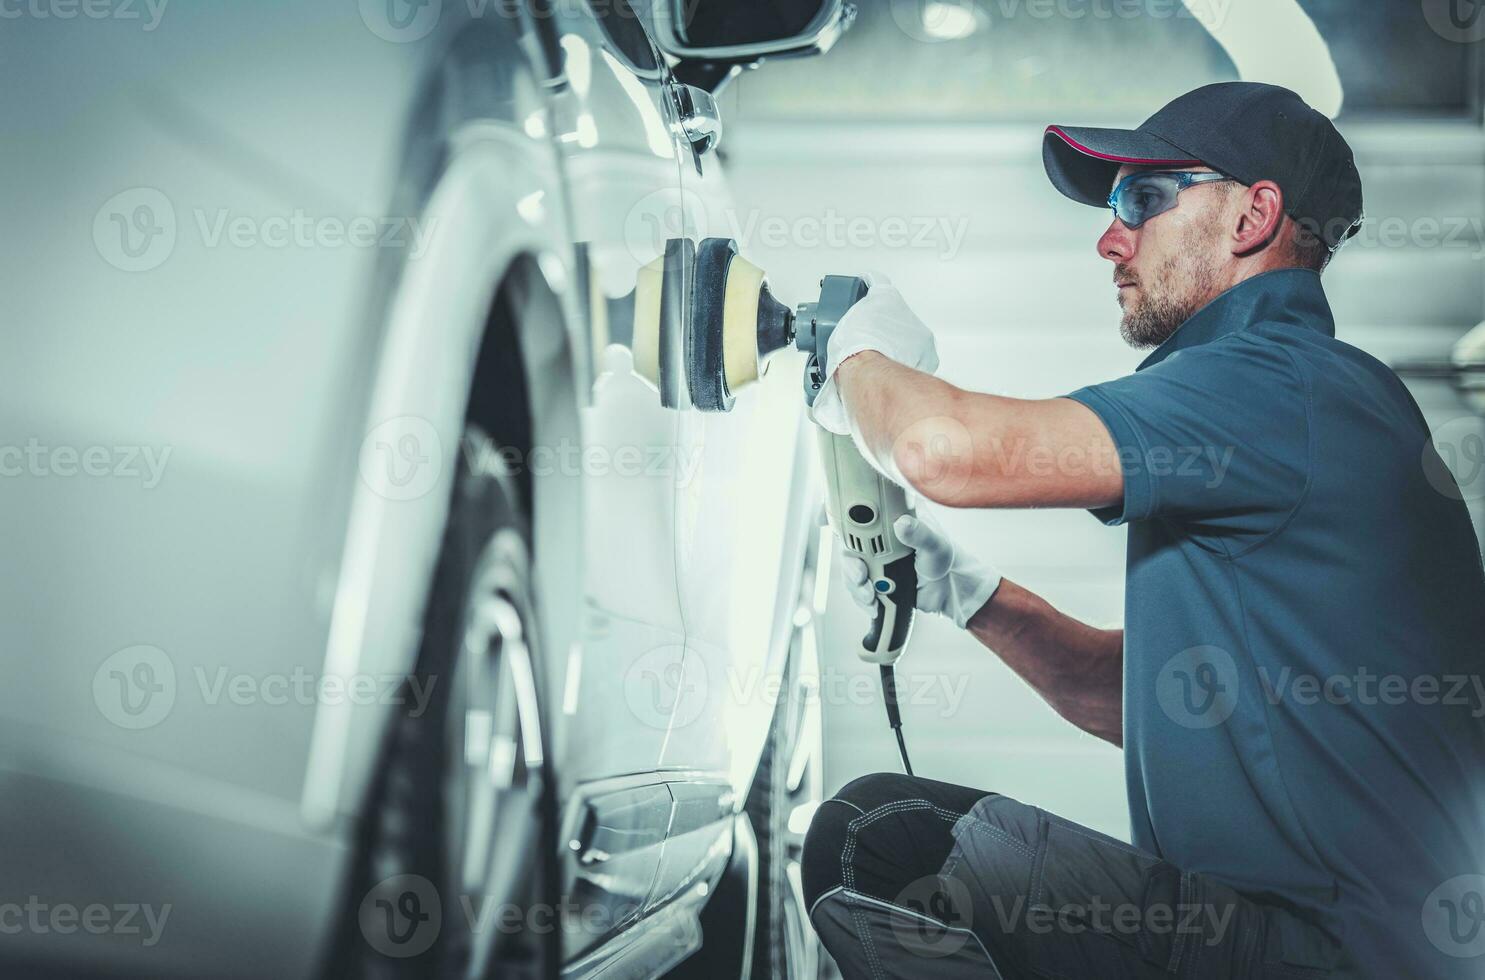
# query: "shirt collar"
x,y
1287,296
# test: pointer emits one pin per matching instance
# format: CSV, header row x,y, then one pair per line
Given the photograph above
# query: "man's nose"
x,y
1117,243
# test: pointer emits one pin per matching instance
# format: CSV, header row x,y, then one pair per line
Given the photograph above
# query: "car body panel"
x,y
739,549
613,129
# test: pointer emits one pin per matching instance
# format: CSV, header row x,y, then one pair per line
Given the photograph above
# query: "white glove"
x,y
880,321
952,583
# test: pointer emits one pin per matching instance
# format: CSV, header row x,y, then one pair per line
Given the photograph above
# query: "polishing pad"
x,y
740,360
646,343
660,291
734,324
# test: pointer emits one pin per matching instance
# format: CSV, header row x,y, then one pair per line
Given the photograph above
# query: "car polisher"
x,y
730,327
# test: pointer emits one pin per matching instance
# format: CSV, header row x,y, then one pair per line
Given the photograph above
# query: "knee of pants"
x,y
825,842
882,832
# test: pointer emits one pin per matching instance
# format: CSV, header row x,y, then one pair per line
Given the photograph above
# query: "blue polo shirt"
x,y
1304,624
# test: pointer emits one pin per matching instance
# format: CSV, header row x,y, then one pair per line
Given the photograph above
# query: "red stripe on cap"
x,y
1105,156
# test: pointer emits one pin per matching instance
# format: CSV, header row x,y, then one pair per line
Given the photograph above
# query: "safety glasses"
x,y
1140,197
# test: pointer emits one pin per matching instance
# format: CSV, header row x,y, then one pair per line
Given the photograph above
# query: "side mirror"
x,y
744,32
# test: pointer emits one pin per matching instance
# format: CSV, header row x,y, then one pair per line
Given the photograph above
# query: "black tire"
x,y
406,909
765,800
784,945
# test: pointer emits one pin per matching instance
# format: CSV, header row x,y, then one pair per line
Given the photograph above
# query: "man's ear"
x,y
1259,220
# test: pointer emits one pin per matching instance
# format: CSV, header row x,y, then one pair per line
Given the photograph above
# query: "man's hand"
x,y
880,321
950,582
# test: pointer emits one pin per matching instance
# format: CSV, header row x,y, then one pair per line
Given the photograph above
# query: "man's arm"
x,y
964,449
1077,669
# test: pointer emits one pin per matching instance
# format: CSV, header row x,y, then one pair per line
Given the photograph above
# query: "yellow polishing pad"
x,y
740,360
646,343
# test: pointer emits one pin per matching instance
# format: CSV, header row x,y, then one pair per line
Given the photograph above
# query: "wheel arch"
x,y
494,198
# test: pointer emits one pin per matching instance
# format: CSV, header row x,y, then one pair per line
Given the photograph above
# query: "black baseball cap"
x,y
1246,130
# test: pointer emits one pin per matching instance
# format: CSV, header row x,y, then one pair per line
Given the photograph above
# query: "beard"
x,y
1180,286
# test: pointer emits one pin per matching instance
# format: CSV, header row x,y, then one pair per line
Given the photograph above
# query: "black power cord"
x,y
894,717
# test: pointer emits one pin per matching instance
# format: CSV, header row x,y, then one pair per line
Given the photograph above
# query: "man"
x,y
1306,799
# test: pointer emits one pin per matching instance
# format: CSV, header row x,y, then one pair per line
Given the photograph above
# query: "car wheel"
x,y
457,858
786,791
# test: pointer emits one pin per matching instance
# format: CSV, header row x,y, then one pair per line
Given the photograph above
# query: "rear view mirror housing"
x,y
743,33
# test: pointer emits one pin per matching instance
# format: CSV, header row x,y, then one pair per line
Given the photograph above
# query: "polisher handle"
x,y
862,505
893,619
